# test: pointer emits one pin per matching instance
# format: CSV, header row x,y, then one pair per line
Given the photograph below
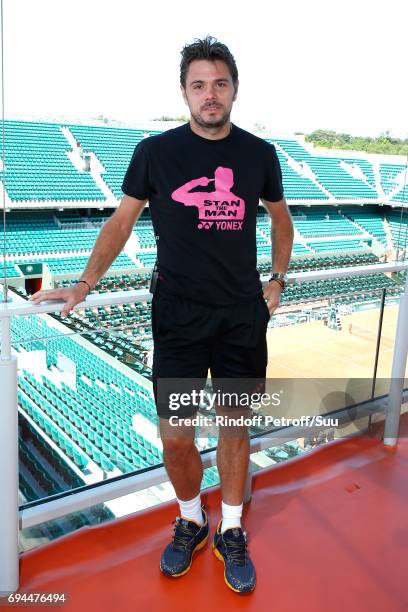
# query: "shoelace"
x,y
182,535
237,551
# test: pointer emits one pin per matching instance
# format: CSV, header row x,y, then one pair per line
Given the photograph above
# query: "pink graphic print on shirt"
x,y
219,208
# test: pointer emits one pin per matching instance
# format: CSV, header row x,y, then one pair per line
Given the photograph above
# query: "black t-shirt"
x,y
203,197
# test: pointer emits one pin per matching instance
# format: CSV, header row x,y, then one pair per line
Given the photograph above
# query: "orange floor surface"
x,y
327,532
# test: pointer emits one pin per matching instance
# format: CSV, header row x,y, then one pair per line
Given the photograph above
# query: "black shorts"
x,y
191,338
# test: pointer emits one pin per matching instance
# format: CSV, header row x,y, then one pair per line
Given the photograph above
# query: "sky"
x,y
303,64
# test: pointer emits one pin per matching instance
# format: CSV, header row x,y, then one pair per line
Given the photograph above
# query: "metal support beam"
x,y
9,516
399,362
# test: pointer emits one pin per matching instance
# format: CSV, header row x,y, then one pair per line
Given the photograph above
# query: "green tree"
x,y
383,143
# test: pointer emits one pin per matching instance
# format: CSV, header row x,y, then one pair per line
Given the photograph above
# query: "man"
x,y
203,181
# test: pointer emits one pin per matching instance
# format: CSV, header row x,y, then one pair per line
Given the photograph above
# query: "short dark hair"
x,y
208,48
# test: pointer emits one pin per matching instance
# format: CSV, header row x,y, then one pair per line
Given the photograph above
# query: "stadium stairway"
x,y
303,170
95,169
326,530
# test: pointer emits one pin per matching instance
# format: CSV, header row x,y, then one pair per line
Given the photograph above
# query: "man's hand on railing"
x,y
71,295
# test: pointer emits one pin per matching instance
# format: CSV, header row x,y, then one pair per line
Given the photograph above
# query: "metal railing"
x,y
65,503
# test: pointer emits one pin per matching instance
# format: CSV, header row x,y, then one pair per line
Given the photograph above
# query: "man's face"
x,y
209,92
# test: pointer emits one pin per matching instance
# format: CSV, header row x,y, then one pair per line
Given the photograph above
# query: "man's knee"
x,y
233,423
178,447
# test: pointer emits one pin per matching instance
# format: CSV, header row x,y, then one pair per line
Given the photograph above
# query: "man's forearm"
x,y
282,242
110,242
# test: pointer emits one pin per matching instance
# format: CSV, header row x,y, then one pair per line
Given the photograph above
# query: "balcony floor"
x,y
327,531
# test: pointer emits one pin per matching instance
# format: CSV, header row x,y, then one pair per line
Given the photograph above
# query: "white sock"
x,y
231,516
191,509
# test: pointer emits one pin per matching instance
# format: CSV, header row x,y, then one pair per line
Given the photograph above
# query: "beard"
x,y
216,123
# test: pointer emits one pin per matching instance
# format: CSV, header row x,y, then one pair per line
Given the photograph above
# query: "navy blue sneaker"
x,y
188,537
231,548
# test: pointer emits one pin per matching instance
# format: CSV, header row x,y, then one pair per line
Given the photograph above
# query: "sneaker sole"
x,y
221,558
200,545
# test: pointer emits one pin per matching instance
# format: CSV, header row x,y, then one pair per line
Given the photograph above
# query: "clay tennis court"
x,y
346,360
